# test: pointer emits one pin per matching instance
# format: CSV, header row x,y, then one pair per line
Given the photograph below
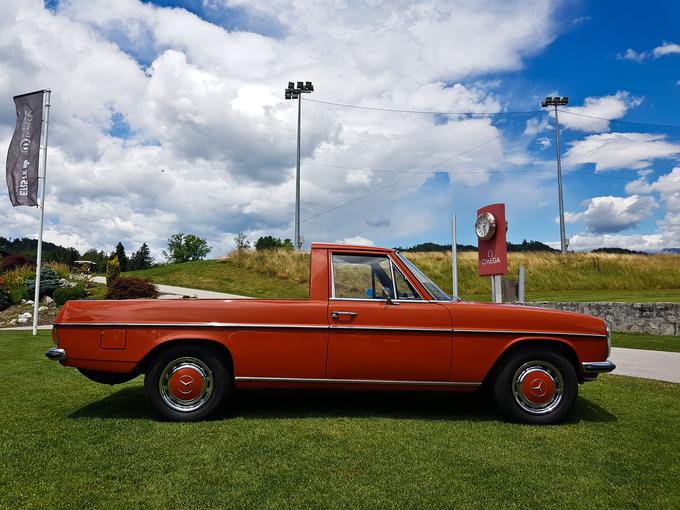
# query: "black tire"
x,y
187,383
536,386
107,377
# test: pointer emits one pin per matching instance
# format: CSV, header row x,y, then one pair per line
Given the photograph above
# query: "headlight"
x,y
608,325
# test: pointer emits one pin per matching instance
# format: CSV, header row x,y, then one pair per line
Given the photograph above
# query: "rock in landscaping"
x,y
42,308
47,301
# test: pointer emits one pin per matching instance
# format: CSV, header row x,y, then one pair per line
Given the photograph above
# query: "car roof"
x,y
350,247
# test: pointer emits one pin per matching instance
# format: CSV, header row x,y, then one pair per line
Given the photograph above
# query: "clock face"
x,y
485,226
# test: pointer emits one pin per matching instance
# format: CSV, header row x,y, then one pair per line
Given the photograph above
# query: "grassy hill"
x,y
223,276
575,277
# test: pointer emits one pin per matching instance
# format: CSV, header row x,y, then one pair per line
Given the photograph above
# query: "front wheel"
x,y
536,386
187,383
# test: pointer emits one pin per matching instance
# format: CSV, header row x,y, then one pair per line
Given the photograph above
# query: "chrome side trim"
x,y
312,326
55,354
598,366
354,381
381,328
188,325
516,332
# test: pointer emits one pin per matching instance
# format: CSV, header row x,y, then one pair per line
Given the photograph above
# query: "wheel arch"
x,y
557,344
215,345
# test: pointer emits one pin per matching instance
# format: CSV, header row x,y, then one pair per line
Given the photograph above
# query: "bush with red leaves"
x,y
14,260
131,288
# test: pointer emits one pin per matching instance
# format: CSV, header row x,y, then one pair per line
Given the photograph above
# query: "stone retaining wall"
x,y
650,318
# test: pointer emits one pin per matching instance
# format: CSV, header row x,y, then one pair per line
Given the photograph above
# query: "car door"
x,y
380,327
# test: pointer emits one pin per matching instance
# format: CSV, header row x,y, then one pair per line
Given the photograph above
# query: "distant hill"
x,y
29,248
671,251
524,246
618,251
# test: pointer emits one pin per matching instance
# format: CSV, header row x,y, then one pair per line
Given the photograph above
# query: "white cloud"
x,y
544,142
667,48
631,54
356,240
637,242
536,125
620,150
608,107
668,233
205,105
608,214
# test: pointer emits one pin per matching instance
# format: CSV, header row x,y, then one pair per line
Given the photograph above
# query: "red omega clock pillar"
x,y
490,228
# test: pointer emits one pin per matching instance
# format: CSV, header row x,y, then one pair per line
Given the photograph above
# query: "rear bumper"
x,y
591,369
56,354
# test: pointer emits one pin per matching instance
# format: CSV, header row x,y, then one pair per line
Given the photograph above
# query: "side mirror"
x,y
388,298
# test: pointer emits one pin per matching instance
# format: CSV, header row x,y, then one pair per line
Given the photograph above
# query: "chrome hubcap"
x,y
186,384
537,387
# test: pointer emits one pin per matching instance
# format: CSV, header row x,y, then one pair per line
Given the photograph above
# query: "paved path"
x,y
171,292
659,365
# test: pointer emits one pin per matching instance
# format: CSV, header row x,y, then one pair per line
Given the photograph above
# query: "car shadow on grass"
x,y
130,403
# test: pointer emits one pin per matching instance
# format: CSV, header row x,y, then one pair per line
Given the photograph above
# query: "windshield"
x,y
437,293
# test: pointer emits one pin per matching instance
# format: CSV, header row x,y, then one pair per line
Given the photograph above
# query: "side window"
x,y
404,288
361,276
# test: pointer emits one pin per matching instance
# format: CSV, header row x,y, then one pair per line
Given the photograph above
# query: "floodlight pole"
x,y
293,92
555,102
298,244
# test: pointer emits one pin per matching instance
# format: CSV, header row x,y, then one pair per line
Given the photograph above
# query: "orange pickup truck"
x,y
373,320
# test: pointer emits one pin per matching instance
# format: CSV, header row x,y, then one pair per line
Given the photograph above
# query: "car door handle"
x,y
336,315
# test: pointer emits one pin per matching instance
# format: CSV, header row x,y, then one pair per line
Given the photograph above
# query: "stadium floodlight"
x,y
293,92
555,102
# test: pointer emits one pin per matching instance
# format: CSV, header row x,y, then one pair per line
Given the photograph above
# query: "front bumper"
x,y
56,354
591,369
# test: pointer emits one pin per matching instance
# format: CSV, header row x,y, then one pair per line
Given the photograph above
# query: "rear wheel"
x,y
536,386
187,383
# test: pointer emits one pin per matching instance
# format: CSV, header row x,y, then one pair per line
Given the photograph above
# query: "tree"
x,y
141,259
98,257
185,248
112,270
241,241
273,243
122,257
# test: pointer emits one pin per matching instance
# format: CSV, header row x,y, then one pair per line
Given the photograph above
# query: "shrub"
x,y
3,283
69,293
14,260
4,299
49,282
112,270
273,243
16,295
131,288
62,270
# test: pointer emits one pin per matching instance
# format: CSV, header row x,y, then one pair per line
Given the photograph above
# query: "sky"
x,y
170,116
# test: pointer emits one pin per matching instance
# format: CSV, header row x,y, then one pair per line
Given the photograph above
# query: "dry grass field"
x,y
546,272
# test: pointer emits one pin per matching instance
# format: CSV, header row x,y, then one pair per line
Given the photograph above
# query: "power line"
x,y
424,112
619,121
513,112
453,172
402,180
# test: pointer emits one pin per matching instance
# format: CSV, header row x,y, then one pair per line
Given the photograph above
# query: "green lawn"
x,y
650,342
70,443
223,276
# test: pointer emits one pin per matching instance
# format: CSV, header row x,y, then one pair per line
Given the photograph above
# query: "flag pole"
x,y
43,174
